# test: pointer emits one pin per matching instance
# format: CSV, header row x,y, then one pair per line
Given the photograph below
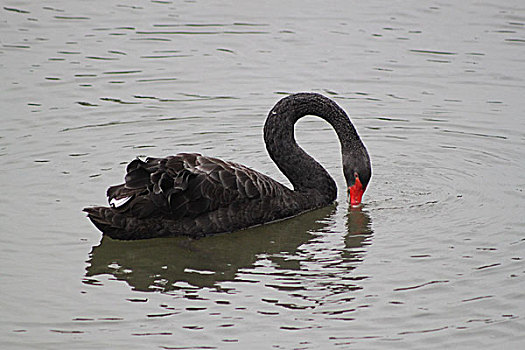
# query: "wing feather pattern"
x,y
187,194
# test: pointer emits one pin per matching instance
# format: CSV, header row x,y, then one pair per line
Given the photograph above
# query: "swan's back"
x,y
190,194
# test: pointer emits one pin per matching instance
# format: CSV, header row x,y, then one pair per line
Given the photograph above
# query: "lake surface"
x,y
433,260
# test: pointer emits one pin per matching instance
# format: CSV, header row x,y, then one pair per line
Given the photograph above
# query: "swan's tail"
x,y
105,220
118,225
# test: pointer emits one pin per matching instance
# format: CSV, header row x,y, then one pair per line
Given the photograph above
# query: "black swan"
x,y
194,195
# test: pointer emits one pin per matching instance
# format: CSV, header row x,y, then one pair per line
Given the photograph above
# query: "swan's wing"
x,y
187,185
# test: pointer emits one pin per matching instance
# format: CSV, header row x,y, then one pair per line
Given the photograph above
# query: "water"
x,y
433,260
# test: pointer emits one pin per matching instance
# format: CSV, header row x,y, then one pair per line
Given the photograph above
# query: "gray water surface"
x,y
433,260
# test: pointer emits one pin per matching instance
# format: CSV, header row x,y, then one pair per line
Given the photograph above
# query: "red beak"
x,y
356,192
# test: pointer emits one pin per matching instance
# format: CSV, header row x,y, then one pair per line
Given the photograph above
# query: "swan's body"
x,y
194,195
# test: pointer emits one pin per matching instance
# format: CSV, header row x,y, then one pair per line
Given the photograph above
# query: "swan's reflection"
x,y
171,263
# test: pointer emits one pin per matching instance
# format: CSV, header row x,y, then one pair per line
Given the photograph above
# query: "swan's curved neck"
x,y
306,174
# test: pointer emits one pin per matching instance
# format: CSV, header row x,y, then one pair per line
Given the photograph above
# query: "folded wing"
x,y
187,185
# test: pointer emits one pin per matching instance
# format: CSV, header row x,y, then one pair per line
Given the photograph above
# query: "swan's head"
x,y
357,171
